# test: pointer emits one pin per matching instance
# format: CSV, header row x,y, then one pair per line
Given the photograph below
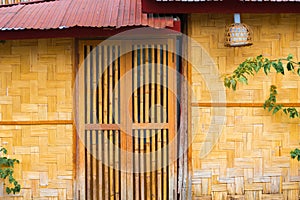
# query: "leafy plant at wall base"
x,y
296,154
251,66
7,172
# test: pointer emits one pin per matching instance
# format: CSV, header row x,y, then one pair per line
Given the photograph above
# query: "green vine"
x,y
251,66
6,173
270,103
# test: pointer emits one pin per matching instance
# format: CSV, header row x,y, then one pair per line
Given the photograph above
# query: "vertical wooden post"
x,y
81,148
184,177
172,121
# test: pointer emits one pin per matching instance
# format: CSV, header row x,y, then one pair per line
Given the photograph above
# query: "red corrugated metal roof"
x,y
187,1
62,14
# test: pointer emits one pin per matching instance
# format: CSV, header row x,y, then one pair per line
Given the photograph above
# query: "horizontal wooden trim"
x,y
150,126
135,126
258,105
42,122
102,127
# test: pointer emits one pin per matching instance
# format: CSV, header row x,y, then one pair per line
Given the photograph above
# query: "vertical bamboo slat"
x,y
100,121
129,138
123,142
110,121
94,120
153,134
158,120
105,121
141,120
116,116
136,132
164,118
88,120
147,102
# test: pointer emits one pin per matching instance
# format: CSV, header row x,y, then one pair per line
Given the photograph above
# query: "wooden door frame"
x,y
80,148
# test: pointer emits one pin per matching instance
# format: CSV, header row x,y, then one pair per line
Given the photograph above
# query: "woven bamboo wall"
x,y
250,159
36,86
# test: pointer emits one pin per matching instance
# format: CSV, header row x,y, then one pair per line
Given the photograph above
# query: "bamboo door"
x,y
127,116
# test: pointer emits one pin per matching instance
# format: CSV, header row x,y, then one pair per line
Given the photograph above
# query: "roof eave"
x,y
225,6
73,32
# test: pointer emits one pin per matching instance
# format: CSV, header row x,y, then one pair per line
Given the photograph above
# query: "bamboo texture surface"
x,y
36,107
250,159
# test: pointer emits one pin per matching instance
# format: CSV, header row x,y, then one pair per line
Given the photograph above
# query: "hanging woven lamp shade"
x,y
238,34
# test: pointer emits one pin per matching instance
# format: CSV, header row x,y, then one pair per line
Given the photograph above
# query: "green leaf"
x,y
226,82
3,150
280,68
270,107
295,153
298,71
267,67
243,79
265,105
290,66
8,190
233,84
290,57
257,67
273,87
277,108
259,57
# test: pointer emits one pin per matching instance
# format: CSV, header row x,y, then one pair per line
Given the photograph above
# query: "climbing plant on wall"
x,y
252,66
7,172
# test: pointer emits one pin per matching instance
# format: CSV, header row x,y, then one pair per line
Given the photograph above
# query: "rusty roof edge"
x,y
75,26
78,26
